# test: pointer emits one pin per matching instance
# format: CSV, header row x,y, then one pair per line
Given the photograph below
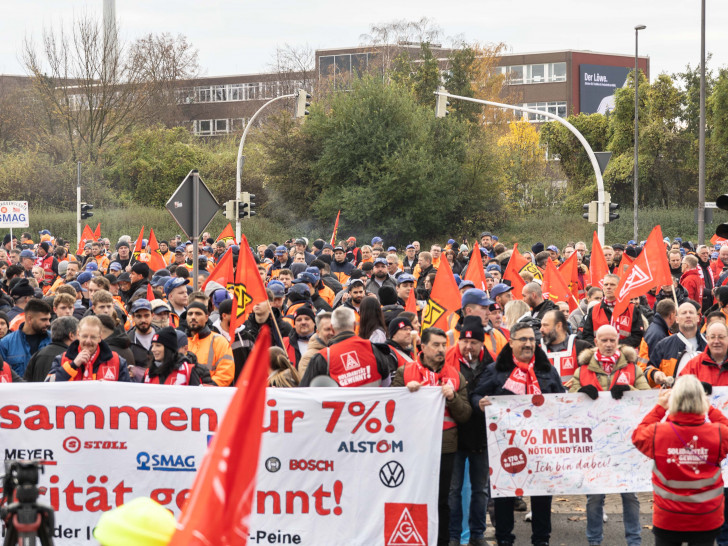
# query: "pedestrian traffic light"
x,y
86,211
245,207
591,212
722,229
441,104
231,210
611,212
302,98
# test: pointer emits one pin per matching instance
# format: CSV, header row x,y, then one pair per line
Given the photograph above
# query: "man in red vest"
x,y
561,348
89,357
350,360
430,370
629,324
613,367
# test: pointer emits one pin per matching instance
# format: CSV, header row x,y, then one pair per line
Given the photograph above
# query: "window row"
x,y
212,127
534,73
333,65
557,108
237,91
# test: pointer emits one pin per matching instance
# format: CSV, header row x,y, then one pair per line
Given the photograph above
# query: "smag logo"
x,y
432,314
405,524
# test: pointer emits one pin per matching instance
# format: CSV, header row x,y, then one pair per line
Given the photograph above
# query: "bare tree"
x,y
97,88
387,39
295,64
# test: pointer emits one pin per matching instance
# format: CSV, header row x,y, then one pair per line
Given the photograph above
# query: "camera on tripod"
x,y
25,520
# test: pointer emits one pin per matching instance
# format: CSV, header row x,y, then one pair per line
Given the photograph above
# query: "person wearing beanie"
x,y
139,276
390,306
20,292
212,350
123,254
169,366
470,358
48,262
304,326
401,339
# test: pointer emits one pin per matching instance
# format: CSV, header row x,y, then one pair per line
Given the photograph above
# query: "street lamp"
x,y
636,125
701,132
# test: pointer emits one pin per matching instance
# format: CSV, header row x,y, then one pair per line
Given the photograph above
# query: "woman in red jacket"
x,y
687,450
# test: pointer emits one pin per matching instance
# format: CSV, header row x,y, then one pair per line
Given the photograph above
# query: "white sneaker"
x,y
605,518
528,516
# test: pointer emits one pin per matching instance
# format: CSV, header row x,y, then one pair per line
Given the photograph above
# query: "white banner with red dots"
x,y
568,444
337,466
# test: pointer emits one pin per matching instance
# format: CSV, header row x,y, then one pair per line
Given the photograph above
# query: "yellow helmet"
x,y
140,522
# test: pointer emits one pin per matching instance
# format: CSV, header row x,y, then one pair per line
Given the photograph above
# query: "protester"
x,y
19,346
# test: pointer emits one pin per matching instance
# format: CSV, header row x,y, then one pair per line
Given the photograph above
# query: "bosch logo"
x,y
165,463
391,474
73,445
311,464
272,464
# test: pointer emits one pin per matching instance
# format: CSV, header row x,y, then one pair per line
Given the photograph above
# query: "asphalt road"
x,y
568,522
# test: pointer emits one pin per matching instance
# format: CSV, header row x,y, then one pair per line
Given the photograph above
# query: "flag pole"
x,y
275,322
674,296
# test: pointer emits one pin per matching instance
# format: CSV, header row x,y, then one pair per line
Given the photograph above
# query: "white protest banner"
x,y
568,444
337,466
14,214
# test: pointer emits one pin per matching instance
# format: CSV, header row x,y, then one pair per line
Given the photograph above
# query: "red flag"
x,y
249,289
336,228
475,271
598,263
555,287
97,231
226,234
411,304
218,508
624,264
715,240
86,235
444,299
156,261
570,272
150,292
512,272
650,269
223,272
138,246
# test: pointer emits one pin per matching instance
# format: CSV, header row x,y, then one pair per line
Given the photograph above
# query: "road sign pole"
x,y
78,203
195,226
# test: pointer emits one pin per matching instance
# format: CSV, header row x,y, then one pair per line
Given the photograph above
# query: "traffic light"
x,y
722,229
245,207
231,210
610,214
86,211
591,212
302,98
441,104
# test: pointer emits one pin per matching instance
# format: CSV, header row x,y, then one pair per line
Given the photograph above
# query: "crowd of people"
x,y
100,312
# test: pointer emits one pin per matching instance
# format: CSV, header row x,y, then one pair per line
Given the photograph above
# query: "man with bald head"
x,y
710,366
613,367
672,353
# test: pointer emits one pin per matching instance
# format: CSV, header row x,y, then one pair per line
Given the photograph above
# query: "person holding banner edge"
x,y
613,367
521,368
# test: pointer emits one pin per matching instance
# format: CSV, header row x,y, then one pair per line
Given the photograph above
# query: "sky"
x,y
241,37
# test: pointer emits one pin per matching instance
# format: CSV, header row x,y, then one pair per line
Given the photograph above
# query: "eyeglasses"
x,y
524,339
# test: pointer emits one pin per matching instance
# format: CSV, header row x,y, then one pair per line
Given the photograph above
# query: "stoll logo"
x,y
165,463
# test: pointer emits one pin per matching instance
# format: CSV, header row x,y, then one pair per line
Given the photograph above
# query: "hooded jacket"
x,y
694,284
628,355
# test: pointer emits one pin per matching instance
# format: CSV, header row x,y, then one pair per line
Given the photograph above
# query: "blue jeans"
x,y
630,512
478,470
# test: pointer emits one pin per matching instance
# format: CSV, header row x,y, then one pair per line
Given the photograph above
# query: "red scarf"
x,y
88,368
428,378
607,362
523,378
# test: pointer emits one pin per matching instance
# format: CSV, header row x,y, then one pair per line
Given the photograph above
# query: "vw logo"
x,y
391,474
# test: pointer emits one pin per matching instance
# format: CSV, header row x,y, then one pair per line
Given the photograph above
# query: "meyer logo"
x,y
405,524
29,454
165,463
391,474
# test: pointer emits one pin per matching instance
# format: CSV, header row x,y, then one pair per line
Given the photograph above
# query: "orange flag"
x,y
444,299
624,264
223,272
226,234
218,508
598,263
97,231
649,270
336,228
150,292
156,262
411,304
138,246
570,272
475,271
715,240
512,272
249,289
555,288
86,235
